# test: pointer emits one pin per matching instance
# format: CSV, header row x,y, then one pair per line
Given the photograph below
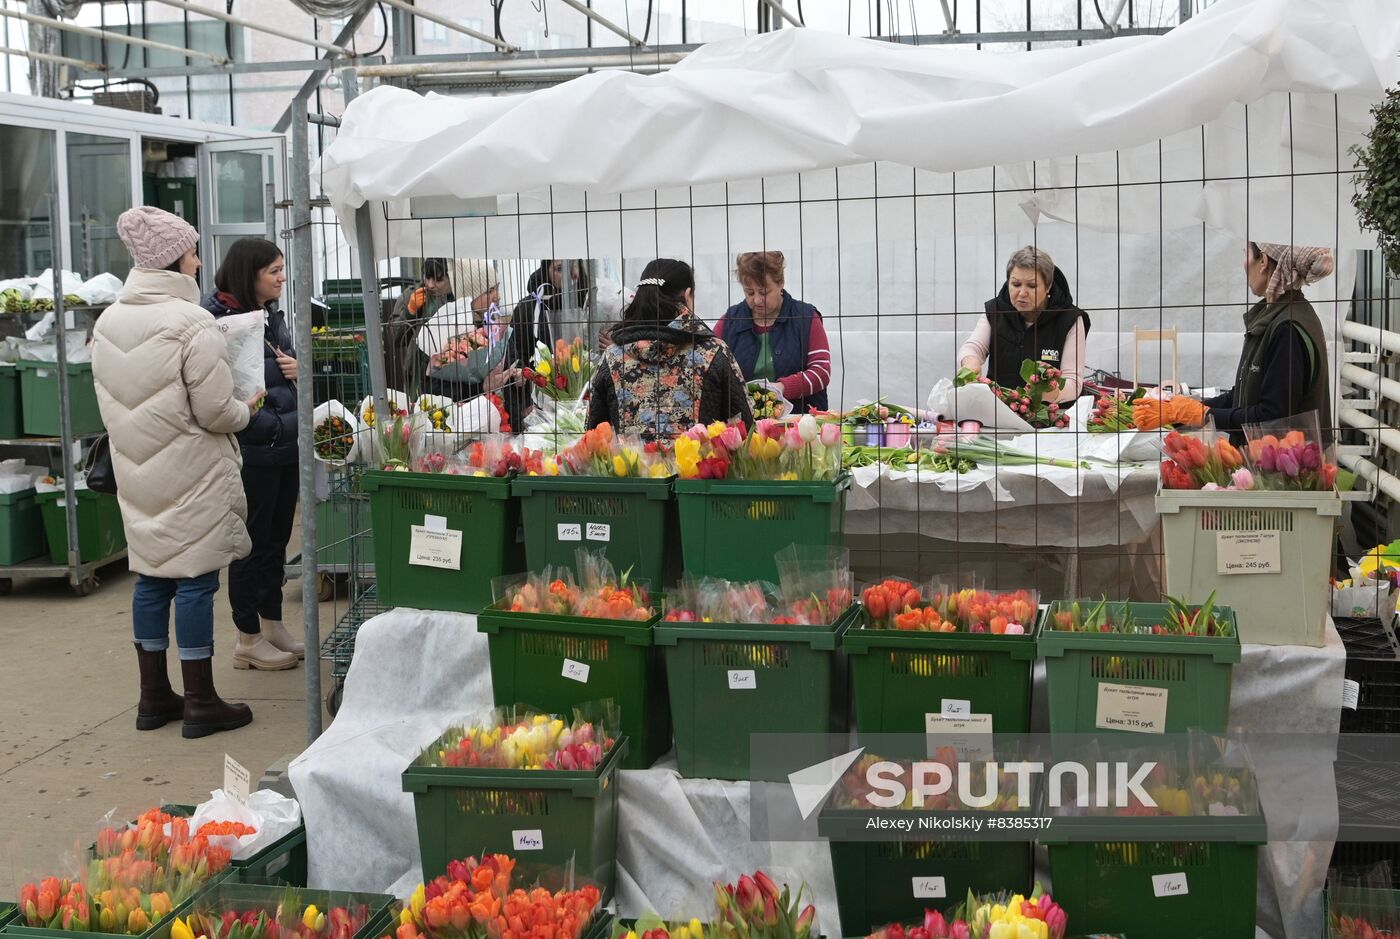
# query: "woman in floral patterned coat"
x,y
664,370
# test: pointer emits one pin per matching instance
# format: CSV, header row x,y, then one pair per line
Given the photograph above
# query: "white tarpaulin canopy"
x,y
797,100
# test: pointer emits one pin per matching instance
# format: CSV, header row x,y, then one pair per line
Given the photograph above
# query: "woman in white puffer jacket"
x,y
166,395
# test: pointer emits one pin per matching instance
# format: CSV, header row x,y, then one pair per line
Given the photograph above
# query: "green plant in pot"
x,y
1377,196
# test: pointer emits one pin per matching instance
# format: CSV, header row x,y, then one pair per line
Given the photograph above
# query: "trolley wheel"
x,y
333,698
325,587
86,586
6,585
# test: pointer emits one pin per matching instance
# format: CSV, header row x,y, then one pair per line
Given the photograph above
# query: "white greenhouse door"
x,y
240,184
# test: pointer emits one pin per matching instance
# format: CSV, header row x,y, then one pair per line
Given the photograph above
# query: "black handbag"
x,y
101,477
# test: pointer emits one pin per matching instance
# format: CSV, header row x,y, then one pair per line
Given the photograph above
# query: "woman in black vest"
x,y
1034,317
777,338
1283,366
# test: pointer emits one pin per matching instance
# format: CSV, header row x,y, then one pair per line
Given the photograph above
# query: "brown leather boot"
x,y
159,703
205,712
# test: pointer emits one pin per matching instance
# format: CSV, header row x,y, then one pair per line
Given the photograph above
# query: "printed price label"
x,y
599,531
962,724
576,671
742,679
1247,552
970,734
952,707
930,888
1132,707
435,522
570,531
1169,885
1351,693
528,840
429,548
236,779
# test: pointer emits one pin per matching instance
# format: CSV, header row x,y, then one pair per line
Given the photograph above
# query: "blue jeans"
x,y
194,613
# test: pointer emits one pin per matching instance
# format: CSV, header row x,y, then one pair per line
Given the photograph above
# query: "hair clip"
x,y
652,282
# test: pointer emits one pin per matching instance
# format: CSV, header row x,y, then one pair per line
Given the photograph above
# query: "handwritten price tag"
x,y
429,548
742,679
1247,552
599,531
236,779
528,840
1131,707
576,671
953,707
930,888
570,531
1169,885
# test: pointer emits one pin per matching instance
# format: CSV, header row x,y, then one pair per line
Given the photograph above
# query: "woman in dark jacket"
x,y
1283,366
665,370
251,278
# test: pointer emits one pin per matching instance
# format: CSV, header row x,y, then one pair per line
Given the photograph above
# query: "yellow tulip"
x,y
418,900
308,918
619,466
715,429
574,362
543,368
180,930
697,931
658,470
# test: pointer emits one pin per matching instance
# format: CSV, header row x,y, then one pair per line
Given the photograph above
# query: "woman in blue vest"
x,y
1033,317
776,338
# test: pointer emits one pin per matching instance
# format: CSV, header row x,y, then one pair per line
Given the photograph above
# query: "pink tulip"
x,y
698,432
1288,463
936,925
792,439
766,885
1268,458
732,438
1242,479
831,435
1311,458
769,428
960,930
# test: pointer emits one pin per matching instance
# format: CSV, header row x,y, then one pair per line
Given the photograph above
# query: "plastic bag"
x,y
335,443
100,290
243,335
1287,454
271,813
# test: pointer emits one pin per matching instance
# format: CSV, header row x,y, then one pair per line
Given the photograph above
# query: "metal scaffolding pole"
x,y
450,24
604,22
250,24
106,36
315,77
778,8
306,405
616,60
48,57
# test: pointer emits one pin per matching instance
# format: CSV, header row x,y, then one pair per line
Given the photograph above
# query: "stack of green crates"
x,y
11,408
632,521
735,528
345,302
100,531
729,681
901,678
556,663
1192,672
22,534
39,399
477,511
546,818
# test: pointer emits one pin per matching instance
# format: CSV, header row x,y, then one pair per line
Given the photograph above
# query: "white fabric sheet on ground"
x,y
416,672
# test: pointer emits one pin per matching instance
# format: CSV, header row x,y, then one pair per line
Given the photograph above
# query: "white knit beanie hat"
x,y
155,238
477,277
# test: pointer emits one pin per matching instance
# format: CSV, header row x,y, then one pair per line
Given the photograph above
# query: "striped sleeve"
x,y
817,374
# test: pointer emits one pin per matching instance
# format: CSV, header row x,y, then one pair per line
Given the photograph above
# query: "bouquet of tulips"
x,y
1036,401
475,900
283,916
599,591
460,347
803,449
495,456
562,373
756,908
712,600
1182,619
519,738
1000,917
1204,460
599,452
1357,910
1113,413
898,604
1288,455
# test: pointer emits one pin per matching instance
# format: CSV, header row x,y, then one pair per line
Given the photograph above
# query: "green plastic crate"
x,y
22,535
1194,672
633,521
883,882
179,196
345,302
337,521
900,678
11,408
340,369
733,529
481,508
100,531
239,896
9,912
542,818
529,652
39,398
1113,885
1380,907
729,681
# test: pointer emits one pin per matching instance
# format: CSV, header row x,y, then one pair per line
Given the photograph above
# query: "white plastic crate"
x,y
1266,555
